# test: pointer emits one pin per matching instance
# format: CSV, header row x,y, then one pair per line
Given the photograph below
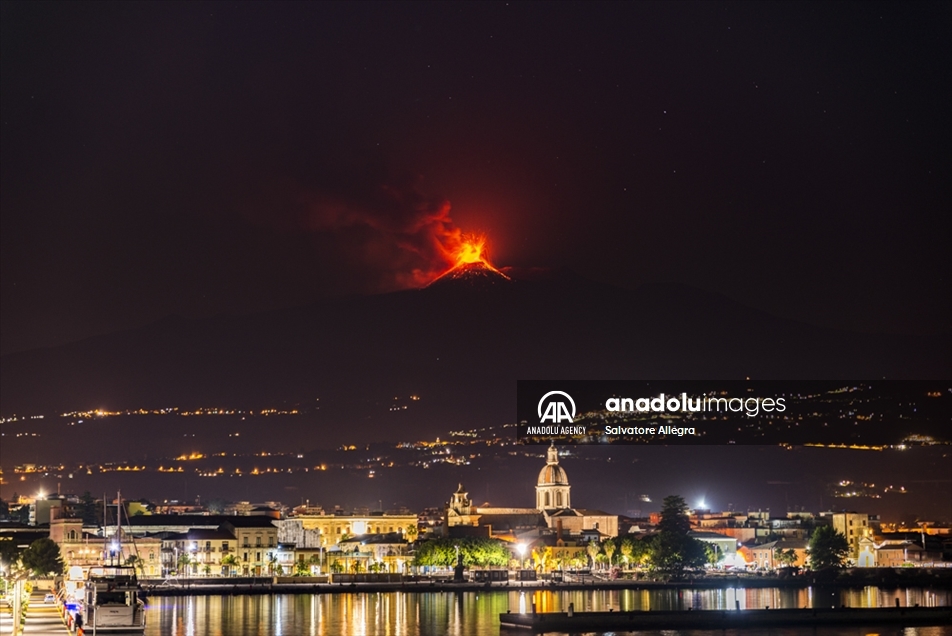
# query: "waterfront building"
x,y
890,553
854,526
82,548
327,530
765,556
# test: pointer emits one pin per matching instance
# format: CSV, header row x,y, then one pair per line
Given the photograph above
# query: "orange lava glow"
x,y
469,249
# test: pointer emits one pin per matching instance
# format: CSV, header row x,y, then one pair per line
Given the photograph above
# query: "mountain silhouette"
x,y
460,343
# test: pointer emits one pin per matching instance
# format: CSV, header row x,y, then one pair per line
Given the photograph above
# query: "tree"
x,y
230,562
9,553
88,510
135,562
712,553
785,557
476,551
337,567
627,549
43,557
593,550
828,549
184,561
21,515
412,533
673,549
541,557
216,506
609,547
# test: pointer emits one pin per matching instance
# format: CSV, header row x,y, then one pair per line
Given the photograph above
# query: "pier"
x,y
723,619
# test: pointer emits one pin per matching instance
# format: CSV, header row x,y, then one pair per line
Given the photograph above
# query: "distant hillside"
x,y
460,345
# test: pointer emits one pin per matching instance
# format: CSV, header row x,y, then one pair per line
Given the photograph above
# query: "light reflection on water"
x,y
476,613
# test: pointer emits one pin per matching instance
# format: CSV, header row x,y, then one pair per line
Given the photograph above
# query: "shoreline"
x,y
259,588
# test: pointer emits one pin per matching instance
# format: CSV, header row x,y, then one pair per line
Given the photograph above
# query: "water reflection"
x,y
476,613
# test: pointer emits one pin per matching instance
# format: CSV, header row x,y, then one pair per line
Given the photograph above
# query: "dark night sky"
x,y
198,159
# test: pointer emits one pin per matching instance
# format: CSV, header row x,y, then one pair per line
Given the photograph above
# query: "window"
x,y
208,545
270,542
224,546
245,542
258,542
257,556
546,500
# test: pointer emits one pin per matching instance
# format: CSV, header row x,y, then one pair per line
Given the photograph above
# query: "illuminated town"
x,y
475,318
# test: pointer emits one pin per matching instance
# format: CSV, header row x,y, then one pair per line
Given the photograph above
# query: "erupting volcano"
x,y
471,263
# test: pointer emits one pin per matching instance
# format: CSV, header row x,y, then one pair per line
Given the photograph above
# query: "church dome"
x,y
553,475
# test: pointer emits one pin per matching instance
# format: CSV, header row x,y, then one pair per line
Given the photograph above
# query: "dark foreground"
x,y
724,619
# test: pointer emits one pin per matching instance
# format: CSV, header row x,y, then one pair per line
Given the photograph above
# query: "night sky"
x,y
195,159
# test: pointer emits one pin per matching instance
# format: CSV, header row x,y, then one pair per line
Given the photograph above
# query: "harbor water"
x,y
477,613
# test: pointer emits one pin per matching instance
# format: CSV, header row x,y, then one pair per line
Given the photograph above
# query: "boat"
x,y
109,599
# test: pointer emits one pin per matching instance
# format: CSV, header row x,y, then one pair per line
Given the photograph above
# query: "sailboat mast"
x,y
119,524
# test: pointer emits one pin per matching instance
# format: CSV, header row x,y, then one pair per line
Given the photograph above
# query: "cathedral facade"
x,y
553,509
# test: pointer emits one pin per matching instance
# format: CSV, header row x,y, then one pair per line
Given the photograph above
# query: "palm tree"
x,y
540,556
627,549
593,550
412,532
609,548
230,561
136,563
184,561
785,557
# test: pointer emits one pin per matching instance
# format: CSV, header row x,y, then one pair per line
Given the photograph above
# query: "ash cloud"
x,y
405,236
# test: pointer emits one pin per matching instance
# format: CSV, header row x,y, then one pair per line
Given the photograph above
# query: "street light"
x,y
522,555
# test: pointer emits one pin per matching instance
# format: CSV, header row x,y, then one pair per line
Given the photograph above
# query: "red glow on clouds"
x,y
394,235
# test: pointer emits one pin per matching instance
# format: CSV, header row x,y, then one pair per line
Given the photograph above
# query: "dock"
x,y
723,619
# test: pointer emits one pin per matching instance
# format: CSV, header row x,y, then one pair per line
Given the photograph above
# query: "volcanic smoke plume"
x,y
397,229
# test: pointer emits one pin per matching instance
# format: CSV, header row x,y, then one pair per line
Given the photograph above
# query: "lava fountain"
x,y
470,258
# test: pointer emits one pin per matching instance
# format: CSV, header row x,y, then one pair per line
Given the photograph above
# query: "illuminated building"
x,y
327,530
854,526
553,509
